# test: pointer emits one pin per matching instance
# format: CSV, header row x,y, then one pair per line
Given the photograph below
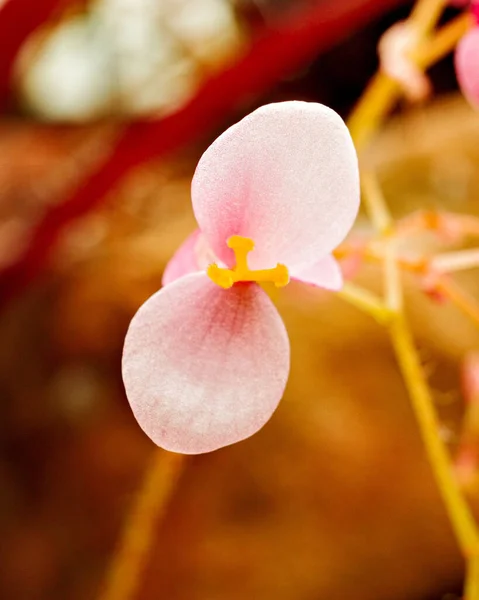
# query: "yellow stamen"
x,y
241,247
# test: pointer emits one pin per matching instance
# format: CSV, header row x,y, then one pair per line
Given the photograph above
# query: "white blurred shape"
x,y
70,77
207,26
127,57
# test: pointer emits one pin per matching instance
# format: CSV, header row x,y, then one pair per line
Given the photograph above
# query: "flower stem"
x,y
459,513
460,516
375,103
443,42
409,362
365,301
124,574
376,207
471,590
426,14
466,303
383,92
392,280
446,225
461,260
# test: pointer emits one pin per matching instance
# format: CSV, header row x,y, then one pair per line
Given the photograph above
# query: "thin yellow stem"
x,y
375,103
382,93
442,222
373,252
461,260
459,513
408,359
365,301
460,516
409,362
471,588
380,216
392,279
124,575
376,207
426,14
444,41
466,303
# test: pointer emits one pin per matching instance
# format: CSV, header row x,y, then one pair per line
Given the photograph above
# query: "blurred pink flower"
x,y
467,55
467,65
207,357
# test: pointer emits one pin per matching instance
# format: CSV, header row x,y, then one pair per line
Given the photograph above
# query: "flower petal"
x,y
326,273
184,260
192,256
467,61
205,367
285,176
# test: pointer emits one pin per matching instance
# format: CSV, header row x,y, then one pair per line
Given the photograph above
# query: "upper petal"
x,y
326,273
205,367
287,177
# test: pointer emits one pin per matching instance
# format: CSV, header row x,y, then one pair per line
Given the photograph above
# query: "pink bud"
x,y
395,47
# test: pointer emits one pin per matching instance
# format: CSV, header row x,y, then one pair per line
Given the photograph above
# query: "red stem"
x,y
274,55
18,19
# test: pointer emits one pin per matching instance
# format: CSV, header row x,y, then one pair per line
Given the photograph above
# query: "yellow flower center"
x,y
241,247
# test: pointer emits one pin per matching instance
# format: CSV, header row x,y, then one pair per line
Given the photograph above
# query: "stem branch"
x,y
383,92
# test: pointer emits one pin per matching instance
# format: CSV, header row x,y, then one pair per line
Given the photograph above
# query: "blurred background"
x,y
106,106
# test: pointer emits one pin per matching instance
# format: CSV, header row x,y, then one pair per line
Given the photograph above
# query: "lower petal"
x,y
326,273
205,367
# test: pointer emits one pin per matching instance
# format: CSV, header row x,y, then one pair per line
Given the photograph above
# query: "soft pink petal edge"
x,y
205,367
183,261
285,176
192,256
326,274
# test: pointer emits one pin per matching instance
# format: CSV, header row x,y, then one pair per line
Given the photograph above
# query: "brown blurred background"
x,y
333,499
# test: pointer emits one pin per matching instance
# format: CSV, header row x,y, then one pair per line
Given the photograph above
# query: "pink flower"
x,y
467,60
206,359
